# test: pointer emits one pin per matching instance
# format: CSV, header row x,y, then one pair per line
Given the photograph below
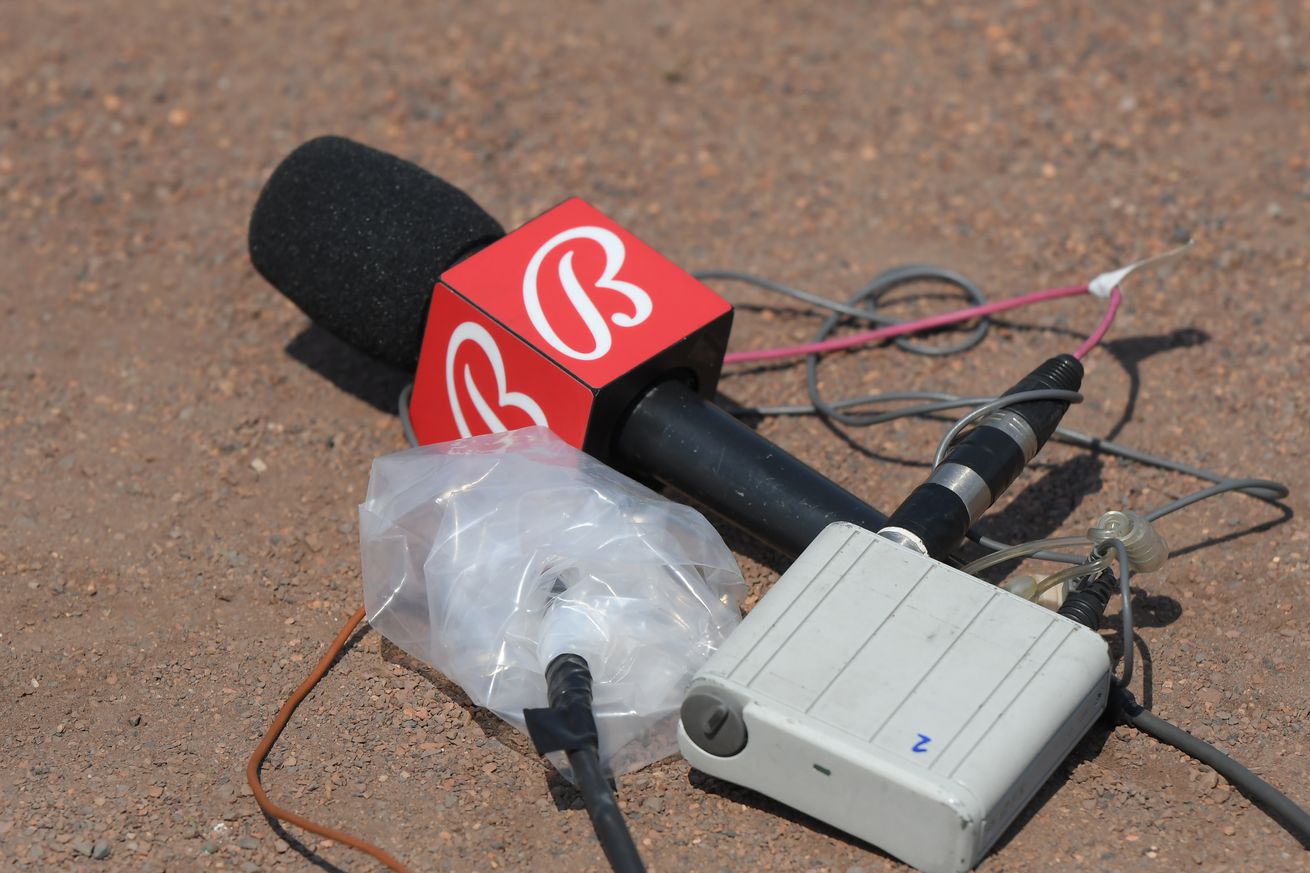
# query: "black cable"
x,y
1279,806
1087,604
606,817
569,725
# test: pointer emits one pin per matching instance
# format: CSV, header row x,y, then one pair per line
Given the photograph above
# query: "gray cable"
x,y
403,409
868,296
1274,802
1293,817
880,285
1262,489
863,313
941,401
1266,490
1125,608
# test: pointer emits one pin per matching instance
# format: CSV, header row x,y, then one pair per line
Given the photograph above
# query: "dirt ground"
x,y
183,458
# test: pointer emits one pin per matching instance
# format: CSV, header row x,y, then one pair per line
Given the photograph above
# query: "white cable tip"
x,y
1103,284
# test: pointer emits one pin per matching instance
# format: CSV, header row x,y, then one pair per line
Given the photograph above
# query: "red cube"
x,y
562,323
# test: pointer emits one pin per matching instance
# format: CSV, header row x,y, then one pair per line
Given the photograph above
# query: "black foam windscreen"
x,y
357,239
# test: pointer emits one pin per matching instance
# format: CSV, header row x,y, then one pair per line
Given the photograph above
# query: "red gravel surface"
x,y
183,459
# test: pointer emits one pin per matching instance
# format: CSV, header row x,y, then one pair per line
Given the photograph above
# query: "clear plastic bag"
x,y
488,556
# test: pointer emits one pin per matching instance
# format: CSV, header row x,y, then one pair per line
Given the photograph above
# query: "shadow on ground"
x,y
358,375
747,797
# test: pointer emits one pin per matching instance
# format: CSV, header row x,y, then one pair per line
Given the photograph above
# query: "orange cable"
x,y
275,731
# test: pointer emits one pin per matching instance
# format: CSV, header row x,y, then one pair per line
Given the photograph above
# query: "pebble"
x,y
101,850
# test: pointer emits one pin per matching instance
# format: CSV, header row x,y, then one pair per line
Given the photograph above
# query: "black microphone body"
x,y
358,238
712,457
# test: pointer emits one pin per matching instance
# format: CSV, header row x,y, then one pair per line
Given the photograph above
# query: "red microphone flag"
x,y
562,323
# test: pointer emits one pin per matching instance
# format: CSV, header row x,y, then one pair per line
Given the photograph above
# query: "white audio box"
x,y
895,698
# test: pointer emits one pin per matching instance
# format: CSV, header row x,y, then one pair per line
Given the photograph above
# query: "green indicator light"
x,y
822,769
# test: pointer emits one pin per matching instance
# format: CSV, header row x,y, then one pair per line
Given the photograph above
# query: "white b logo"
x,y
478,335
612,246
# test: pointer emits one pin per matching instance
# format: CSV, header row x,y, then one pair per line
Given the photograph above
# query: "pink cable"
x,y
1101,329
931,322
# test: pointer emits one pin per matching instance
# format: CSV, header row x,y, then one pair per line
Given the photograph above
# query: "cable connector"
x,y
569,725
1147,549
1103,284
969,475
1087,604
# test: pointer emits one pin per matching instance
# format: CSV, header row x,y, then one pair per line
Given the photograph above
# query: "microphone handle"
x,y
678,437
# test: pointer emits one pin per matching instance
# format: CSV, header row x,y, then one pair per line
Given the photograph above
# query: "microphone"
x,y
357,238
569,322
